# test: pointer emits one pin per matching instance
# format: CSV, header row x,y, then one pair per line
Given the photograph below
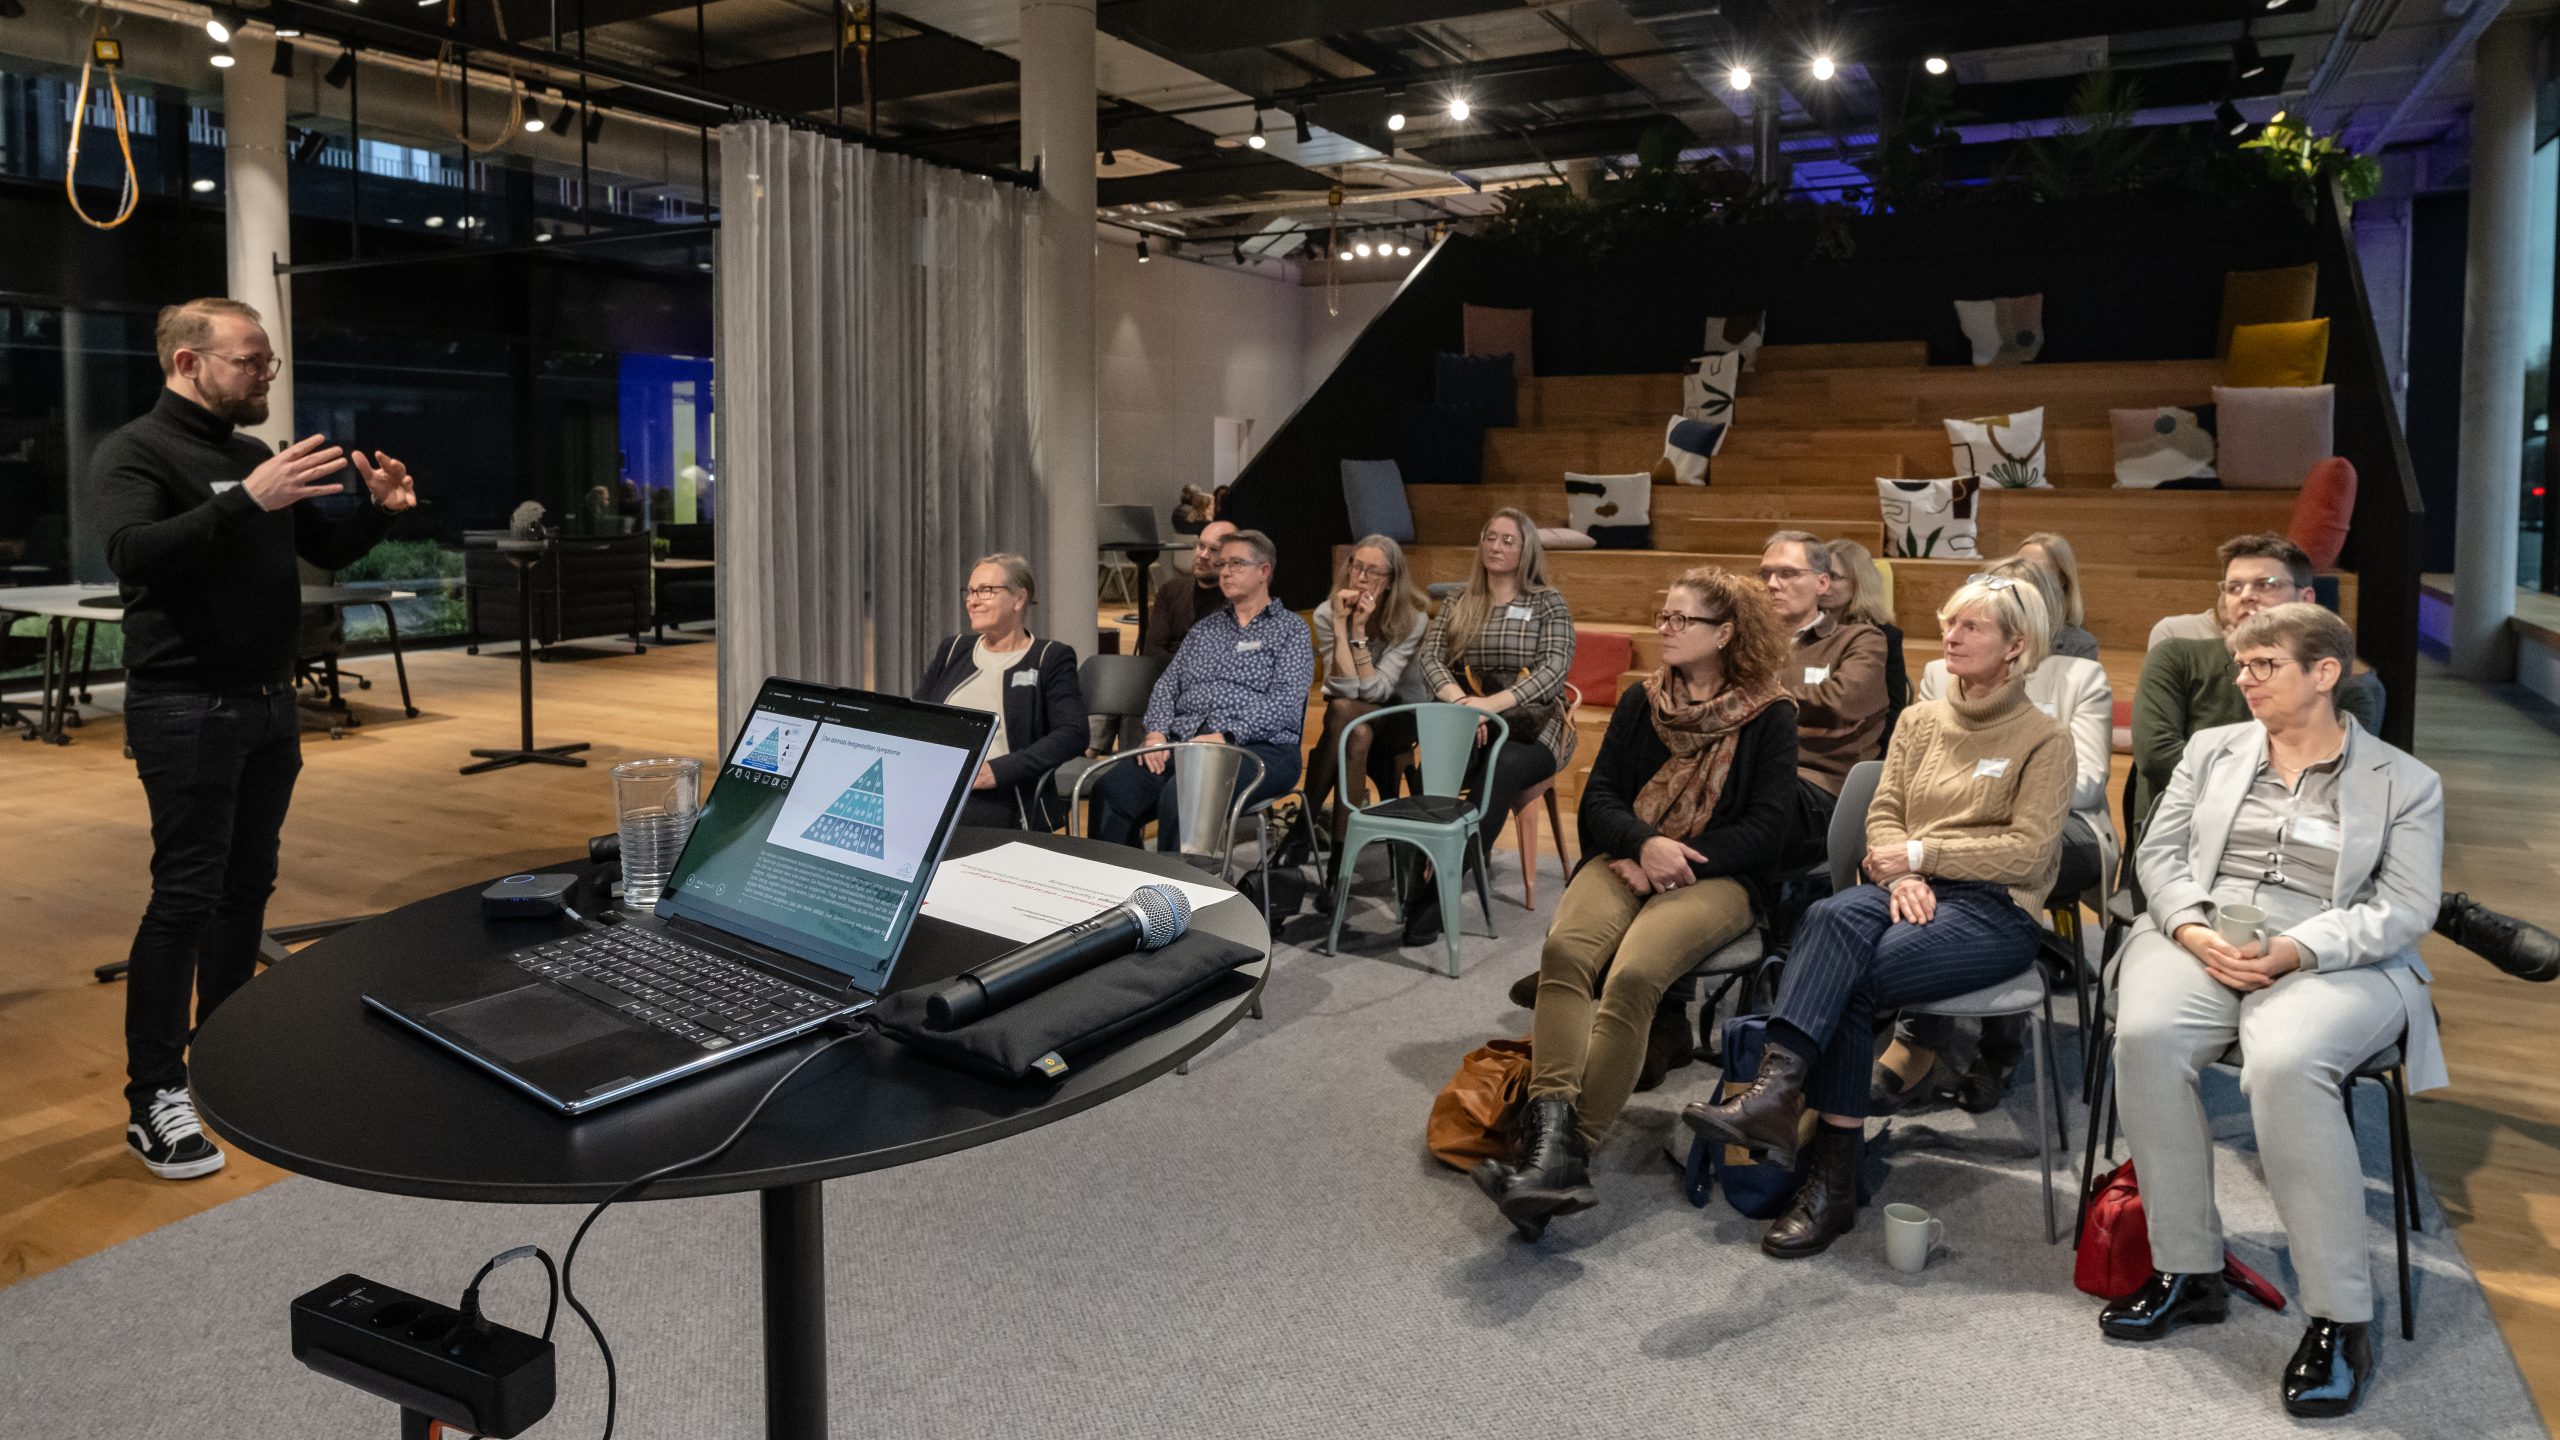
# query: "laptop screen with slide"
x,y
830,814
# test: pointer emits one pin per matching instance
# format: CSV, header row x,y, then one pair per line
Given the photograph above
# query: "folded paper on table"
x,y
1021,892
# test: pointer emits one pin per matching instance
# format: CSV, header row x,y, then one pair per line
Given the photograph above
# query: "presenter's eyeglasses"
x,y
265,367
2264,585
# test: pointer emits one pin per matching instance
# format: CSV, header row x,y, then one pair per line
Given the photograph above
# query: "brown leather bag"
x,y
1475,1115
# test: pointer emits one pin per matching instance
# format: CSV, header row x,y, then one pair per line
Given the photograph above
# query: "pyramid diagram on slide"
x,y
855,821
767,755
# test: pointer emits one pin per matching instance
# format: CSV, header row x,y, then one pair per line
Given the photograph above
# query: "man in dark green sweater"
x,y
202,528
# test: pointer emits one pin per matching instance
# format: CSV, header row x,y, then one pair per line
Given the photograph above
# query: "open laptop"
x,y
794,895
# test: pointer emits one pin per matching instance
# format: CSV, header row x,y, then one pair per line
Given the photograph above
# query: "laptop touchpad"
x,y
529,1022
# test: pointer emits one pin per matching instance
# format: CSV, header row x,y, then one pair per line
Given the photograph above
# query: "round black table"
x,y
294,1070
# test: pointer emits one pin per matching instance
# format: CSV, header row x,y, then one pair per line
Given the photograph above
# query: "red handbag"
x,y
2115,1247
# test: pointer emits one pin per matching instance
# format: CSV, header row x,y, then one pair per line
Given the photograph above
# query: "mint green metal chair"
x,y
1439,822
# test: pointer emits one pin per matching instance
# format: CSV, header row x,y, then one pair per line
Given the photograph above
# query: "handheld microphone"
x,y
1153,917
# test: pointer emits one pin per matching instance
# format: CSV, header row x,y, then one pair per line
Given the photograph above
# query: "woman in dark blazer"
x,y
1028,684
1686,810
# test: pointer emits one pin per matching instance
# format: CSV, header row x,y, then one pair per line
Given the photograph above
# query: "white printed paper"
x,y
1021,892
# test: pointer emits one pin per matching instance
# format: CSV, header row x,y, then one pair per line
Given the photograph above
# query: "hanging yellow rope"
x,y
1333,251
449,111
104,50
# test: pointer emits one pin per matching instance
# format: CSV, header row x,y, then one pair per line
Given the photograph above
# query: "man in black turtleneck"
x,y
203,526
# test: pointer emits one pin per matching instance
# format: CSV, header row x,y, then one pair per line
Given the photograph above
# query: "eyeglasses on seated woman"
x,y
1028,684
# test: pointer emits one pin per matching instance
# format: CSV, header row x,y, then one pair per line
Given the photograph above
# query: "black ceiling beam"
x,y
902,69
1573,140
1185,29
1206,185
1874,32
375,30
532,19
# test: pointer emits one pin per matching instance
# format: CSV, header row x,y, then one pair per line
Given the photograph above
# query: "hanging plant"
x,y
2302,162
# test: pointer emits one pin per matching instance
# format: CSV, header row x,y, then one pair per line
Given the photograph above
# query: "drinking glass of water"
x,y
655,803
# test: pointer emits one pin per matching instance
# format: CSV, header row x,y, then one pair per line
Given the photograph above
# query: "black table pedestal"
x,y
795,1312
524,556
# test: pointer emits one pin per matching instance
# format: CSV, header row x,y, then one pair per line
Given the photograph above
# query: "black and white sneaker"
x,y
170,1140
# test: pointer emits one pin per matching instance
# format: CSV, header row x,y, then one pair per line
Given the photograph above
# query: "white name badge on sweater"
x,y
1990,769
1247,647
2047,707
2311,830
1026,677
1518,612
1816,674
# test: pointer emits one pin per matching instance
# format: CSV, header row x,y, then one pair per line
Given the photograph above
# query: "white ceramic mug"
x,y
2241,925
1911,1234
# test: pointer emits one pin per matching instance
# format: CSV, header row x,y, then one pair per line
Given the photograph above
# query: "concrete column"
x,y
257,220
2493,352
1058,139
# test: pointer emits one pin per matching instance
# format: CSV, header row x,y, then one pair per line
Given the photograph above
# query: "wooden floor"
x,y
381,818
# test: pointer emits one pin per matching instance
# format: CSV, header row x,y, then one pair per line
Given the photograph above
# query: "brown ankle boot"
x,y
1826,1203
1766,1116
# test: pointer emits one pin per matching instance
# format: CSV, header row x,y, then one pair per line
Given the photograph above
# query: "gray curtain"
x,y
872,433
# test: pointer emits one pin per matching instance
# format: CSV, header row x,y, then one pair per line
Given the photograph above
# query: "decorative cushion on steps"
x,y
2007,331
2294,353
1706,393
2004,452
1688,451
1373,491
2322,513
1600,658
2272,436
1929,519
1616,511
1565,537
2265,297
1737,335
2162,446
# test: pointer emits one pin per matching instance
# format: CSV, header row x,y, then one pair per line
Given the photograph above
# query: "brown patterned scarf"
x,y
1701,735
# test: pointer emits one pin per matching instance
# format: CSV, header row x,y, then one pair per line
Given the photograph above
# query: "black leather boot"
x,y
1524,991
2327,1375
1826,1204
1765,1118
1422,911
2164,1303
2523,950
1668,1044
1554,1173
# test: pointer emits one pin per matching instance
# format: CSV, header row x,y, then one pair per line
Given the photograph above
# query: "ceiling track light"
x,y
2228,116
2247,61
1824,68
567,117
223,59
1306,136
1935,64
533,122
1458,108
1395,120
1255,139
1739,77
1342,255
341,70
225,22
595,124
1361,249
307,150
1110,157
1142,250
282,65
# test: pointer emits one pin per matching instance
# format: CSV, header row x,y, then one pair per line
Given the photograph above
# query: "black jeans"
x,y
1524,763
218,771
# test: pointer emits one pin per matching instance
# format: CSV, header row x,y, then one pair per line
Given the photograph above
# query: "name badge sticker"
x,y
2047,708
2312,830
1990,769
1518,612
1816,674
225,487
1025,678
1247,647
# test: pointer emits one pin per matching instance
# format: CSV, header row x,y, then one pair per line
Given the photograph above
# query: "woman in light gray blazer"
x,y
2339,839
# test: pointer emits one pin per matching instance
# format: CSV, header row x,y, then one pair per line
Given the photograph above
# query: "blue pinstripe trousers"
x,y
1852,960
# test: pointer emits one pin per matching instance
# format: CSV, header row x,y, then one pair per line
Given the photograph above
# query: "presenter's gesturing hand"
x,y
388,479
295,473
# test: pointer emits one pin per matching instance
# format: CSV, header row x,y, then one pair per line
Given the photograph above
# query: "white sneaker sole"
x,y
192,1170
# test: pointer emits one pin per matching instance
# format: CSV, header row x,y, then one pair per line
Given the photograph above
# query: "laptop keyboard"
x,y
714,1002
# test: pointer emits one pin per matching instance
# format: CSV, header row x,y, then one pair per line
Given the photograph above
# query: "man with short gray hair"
x,y
1835,676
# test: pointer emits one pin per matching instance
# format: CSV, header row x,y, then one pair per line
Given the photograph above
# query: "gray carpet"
x,y
1262,1249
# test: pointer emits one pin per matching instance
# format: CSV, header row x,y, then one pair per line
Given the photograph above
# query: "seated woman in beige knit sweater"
x,y
1963,841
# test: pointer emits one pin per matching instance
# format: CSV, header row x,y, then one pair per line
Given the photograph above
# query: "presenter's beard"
x,y
244,409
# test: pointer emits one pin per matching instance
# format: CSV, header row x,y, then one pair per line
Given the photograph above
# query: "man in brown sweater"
x,y
1184,599
1835,676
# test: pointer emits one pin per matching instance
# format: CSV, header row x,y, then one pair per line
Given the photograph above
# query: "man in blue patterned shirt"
x,y
1240,678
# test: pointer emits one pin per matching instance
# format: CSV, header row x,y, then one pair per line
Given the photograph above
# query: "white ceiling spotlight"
x,y
1361,250
1255,139
1403,246
1343,255
1458,107
201,187
223,60
1823,69
1739,77
1395,119
1935,64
